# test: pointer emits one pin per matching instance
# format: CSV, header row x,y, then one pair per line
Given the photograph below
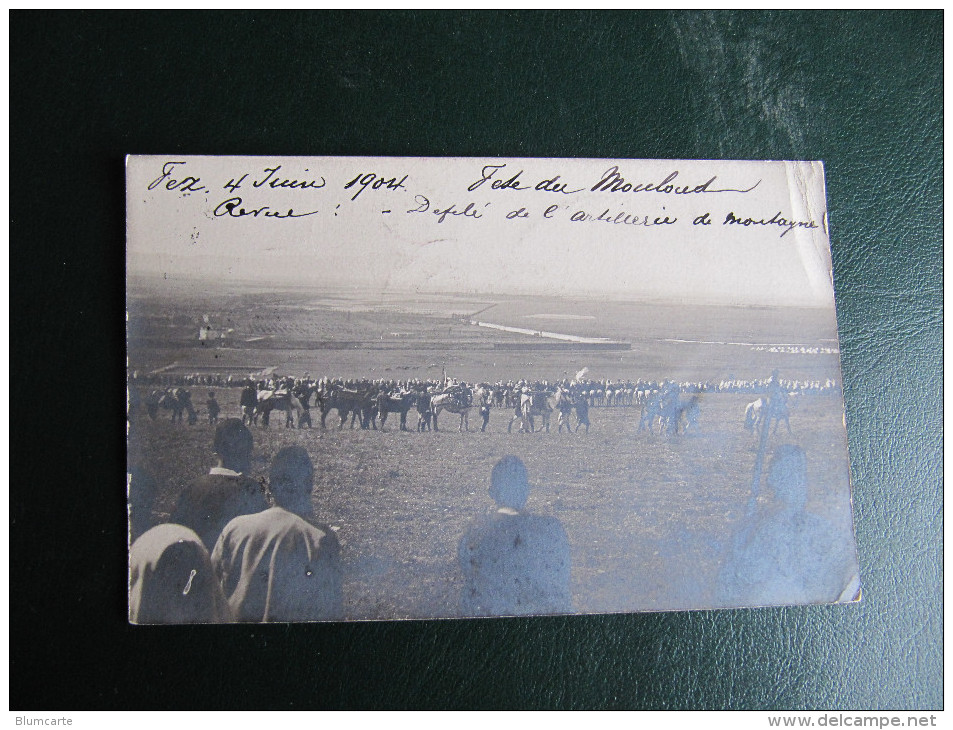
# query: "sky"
x,y
503,226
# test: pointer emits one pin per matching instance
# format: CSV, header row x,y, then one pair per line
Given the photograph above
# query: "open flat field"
x,y
648,516
398,336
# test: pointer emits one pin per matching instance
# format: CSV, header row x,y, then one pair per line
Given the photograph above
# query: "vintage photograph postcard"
x,y
408,388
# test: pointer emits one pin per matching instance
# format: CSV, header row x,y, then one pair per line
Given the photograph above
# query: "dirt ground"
x,y
649,517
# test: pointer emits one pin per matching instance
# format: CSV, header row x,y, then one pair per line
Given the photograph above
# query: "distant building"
x,y
207,333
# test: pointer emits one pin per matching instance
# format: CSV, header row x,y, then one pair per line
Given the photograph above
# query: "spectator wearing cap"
x,y
213,500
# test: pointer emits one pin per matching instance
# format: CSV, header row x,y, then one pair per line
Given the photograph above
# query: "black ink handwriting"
x,y
621,218
231,208
272,180
613,182
187,184
775,220
233,184
489,171
375,182
551,186
423,206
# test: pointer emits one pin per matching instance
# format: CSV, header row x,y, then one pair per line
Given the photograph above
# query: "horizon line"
x,y
610,296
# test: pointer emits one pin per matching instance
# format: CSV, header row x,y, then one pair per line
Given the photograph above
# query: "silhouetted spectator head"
x,y
292,479
787,475
171,579
233,444
509,483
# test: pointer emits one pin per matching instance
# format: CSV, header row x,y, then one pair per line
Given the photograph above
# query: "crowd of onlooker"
x,y
240,549
236,548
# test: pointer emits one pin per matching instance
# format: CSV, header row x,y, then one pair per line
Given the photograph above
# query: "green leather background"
x,y
861,91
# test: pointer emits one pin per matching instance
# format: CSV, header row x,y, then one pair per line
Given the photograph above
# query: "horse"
x,y
395,404
177,401
270,400
460,403
670,410
152,404
531,405
367,412
760,412
754,414
780,411
628,395
303,392
592,396
688,411
582,413
355,403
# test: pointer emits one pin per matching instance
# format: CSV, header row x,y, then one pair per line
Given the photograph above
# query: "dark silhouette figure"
x,y
249,403
582,414
276,565
171,580
213,408
784,554
513,562
212,501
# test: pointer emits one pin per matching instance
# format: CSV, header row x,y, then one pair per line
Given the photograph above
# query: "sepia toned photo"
x,y
408,388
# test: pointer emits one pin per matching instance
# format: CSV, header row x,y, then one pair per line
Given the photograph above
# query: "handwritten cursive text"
x,y
775,220
613,182
621,218
187,184
232,208
273,181
375,182
423,206
488,172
